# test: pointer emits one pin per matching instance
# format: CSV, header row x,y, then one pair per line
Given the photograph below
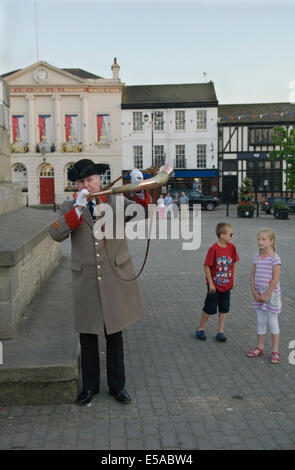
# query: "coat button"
x,y
98,266
99,278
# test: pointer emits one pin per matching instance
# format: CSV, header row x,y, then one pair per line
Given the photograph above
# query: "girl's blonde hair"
x,y
270,234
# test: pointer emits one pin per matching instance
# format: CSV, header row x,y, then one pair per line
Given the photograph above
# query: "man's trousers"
x,y
114,361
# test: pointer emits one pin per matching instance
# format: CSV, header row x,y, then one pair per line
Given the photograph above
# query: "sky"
x,y
245,47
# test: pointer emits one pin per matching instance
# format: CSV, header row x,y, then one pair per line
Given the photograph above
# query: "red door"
x,y
46,190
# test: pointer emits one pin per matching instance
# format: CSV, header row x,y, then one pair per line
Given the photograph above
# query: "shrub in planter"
x,y
281,210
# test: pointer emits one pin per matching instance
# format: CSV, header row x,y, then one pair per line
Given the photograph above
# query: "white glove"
x,y
81,198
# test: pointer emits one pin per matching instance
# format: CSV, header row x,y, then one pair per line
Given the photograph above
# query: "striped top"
x,y
262,279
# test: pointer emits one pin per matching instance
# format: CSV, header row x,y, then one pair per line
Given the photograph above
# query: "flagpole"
x,y
36,27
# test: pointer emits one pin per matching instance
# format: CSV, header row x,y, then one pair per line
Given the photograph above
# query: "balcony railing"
x,y
19,146
71,146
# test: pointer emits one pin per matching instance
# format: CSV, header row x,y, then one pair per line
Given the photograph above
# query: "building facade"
x,y
58,116
245,139
176,125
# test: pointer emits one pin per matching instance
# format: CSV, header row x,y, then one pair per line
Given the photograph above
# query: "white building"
x,y
58,116
175,124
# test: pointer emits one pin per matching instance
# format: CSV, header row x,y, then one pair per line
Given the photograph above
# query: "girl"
x,y
265,286
161,206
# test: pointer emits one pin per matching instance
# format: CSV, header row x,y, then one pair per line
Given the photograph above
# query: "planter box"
x,y
245,212
281,213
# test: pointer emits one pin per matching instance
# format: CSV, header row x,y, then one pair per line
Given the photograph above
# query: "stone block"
x,y
28,256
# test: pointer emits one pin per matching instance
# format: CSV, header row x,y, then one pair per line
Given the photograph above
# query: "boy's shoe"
x,y
220,337
200,334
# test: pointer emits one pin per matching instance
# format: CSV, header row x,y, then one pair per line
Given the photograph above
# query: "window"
x,y
261,172
19,176
180,156
103,127
260,136
179,120
229,165
201,155
158,121
159,155
45,128
138,156
46,171
71,128
106,178
137,121
19,129
201,119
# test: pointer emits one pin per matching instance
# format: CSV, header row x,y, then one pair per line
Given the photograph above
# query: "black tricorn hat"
x,y
84,168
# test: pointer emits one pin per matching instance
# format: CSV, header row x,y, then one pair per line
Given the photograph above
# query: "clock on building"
x,y
41,75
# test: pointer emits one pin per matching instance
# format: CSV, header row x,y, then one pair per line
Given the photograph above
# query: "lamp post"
x,y
158,114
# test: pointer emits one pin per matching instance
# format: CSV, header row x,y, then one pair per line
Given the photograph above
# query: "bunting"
x,y
256,116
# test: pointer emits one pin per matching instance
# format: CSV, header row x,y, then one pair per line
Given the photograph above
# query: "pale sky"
x,y
245,47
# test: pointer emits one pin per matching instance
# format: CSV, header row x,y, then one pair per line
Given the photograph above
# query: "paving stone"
x,y
186,393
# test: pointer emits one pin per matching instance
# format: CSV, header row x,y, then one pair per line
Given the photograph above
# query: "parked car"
x,y
267,206
196,197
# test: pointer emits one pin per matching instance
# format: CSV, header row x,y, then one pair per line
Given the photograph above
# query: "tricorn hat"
x,y
84,168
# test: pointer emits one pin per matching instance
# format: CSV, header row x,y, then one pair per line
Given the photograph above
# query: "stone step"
x,y
40,364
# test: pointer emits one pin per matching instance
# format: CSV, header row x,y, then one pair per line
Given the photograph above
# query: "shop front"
x,y
205,181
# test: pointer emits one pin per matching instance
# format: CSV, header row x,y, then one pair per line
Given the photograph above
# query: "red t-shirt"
x,y
221,262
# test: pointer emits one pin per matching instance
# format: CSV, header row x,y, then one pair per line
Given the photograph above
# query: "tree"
x,y
286,142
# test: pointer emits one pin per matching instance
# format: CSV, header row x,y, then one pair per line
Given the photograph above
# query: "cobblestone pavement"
x,y
187,394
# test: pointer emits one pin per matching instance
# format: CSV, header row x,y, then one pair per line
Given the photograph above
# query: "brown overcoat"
x,y
100,298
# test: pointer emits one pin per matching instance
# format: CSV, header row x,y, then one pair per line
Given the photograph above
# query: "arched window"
x,y
69,185
19,176
46,171
106,178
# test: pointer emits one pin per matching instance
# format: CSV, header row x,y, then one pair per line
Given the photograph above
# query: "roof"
x,y
256,113
9,73
189,95
78,72
81,73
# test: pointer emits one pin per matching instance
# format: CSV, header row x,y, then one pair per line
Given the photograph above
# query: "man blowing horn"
x,y
102,301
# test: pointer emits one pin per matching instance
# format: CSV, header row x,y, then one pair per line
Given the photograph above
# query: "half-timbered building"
x,y
244,141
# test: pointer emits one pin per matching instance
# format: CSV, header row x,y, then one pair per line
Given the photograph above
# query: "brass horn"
x,y
160,179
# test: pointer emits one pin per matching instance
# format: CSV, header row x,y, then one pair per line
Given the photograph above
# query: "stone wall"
x,y
28,256
10,194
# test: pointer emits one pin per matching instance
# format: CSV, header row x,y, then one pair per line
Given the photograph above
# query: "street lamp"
x,y
157,114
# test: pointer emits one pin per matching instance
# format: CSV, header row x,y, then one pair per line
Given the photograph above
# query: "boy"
x,y
220,268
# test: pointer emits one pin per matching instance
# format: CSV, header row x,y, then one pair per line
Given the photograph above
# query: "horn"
x,y
160,179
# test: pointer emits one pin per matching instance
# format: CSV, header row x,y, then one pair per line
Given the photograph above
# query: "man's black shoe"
x,y
85,397
121,396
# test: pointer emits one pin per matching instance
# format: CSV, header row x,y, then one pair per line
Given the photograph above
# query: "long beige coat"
x,y
100,297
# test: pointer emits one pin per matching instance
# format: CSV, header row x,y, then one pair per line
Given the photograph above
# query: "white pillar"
x,y
31,123
84,123
57,122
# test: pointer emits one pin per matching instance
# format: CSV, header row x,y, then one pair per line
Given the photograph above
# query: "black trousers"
x,y
90,361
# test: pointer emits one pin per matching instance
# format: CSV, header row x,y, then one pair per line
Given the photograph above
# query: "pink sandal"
x,y
275,358
255,352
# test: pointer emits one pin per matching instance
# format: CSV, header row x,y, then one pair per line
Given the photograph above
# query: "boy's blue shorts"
x,y
219,299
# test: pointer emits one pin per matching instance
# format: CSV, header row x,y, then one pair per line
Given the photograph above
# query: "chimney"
x,y
115,69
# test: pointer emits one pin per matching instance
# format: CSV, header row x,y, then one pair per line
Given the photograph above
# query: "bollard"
x,y
257,209
227,207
